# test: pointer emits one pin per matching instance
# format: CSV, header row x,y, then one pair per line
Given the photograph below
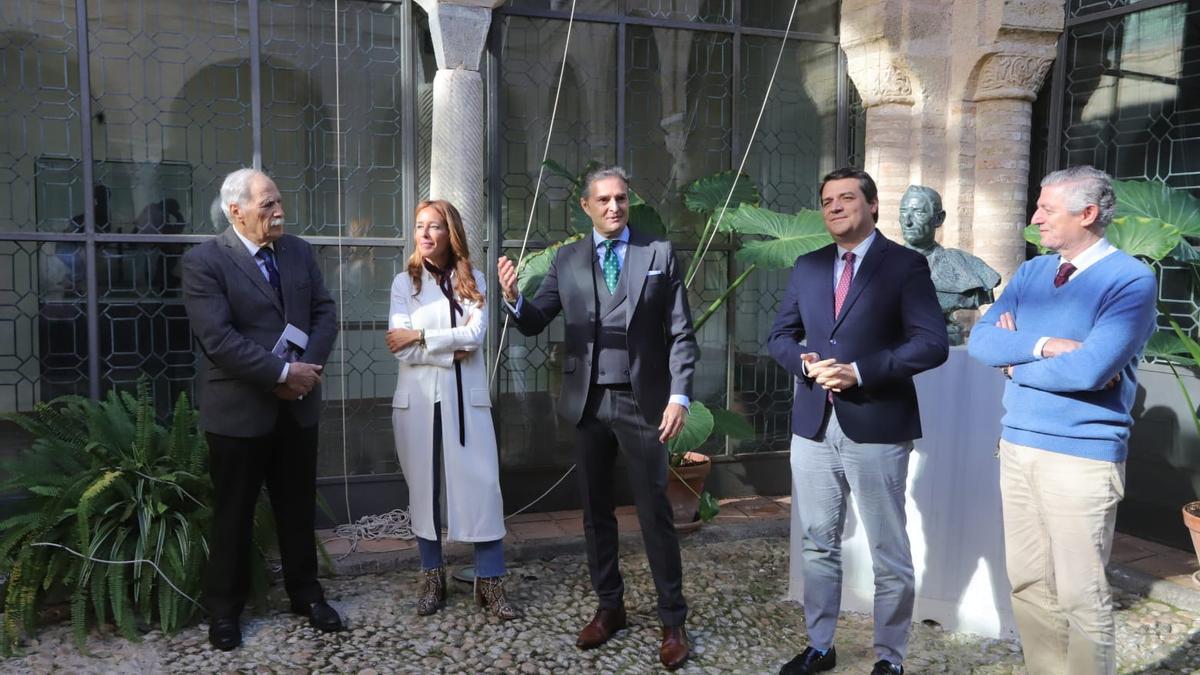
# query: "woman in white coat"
x,y
441,411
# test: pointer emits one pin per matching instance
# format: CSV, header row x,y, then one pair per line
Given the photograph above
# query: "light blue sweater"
x,y
1061,404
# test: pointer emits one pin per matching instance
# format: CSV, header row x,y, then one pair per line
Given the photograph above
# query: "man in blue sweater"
x,y
1068,332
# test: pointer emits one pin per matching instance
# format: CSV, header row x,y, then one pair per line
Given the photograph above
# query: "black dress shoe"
x,y
885,667
224,634
811,661
322,617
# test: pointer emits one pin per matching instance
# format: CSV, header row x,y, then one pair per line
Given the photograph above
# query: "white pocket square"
x,y
653,273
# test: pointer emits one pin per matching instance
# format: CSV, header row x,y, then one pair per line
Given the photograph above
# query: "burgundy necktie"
x,y
843,284
1065,271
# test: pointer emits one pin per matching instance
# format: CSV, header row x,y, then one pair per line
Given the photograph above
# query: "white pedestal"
x,y
954,518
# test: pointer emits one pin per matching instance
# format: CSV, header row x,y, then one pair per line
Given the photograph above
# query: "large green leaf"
x,y
709,193
1185,252
560,171
696,430
646,220
535,266
1143,236
1136,235
1154,199
788,236
1033,236
709,506
731,424
1166,345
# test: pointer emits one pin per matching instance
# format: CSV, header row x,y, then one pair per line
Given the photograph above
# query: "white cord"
x,y
556,484
745,155
337,162
122,562
395,524
537,187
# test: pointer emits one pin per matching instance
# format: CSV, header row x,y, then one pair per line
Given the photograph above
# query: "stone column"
x,y
458,166
1005,91
947,86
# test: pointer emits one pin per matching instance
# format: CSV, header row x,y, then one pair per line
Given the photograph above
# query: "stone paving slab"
x,y
739,623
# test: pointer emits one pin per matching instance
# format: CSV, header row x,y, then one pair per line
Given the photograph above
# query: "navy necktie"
x,y
268,258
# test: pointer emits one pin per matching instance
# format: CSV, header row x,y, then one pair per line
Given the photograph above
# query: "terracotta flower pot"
x,y
1191,518
685,502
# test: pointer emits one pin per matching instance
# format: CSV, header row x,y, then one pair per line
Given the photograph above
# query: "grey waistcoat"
x,y
611,355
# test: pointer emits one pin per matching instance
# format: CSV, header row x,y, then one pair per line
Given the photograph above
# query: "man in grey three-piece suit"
x,y
259,409
627,382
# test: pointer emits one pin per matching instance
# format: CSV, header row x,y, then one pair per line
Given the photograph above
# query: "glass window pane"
x,y
299,98
812,16
40,142
701,11
581,7
360,280
796,139
144,328
678,117
1082,7
585,128
762,389
1129,107
171,109
43,326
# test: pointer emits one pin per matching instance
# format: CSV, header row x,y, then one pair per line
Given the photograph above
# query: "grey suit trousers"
x,y
824,472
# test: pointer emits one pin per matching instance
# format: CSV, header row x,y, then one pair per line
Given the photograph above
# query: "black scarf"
x,y
446,285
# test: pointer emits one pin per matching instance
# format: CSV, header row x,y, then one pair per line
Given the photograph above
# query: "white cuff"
x,y
681,400
516,309
283,374
1038,346
857,375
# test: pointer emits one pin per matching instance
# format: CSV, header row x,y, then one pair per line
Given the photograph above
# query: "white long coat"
x,y
475,511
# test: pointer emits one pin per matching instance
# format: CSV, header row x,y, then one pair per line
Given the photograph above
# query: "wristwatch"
x,y
421,340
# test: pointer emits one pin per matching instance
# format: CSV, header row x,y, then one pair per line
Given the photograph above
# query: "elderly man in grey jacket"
x,y
265,324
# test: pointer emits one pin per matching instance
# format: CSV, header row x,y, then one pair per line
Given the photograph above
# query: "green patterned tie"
x,y
612,266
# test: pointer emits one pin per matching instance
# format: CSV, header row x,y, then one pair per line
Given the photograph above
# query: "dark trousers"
x,y
611,421
286,460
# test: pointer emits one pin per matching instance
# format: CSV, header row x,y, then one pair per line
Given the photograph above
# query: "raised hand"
x,y
507,272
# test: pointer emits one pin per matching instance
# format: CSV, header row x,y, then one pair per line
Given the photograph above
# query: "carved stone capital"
x,y
879,77
1011,76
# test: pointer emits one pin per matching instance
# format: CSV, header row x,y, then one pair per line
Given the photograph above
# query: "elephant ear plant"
x,y
107,480
763,239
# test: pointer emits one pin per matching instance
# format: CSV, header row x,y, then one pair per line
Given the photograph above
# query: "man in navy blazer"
x,y
860,317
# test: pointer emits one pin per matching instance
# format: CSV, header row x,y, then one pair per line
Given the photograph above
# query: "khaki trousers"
x,y
1059,513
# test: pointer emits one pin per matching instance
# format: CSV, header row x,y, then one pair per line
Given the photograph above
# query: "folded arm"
x,y
1119,334
995,344
469,334
401,317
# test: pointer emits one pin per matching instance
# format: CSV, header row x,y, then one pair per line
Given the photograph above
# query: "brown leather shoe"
x,y
601,627
674,649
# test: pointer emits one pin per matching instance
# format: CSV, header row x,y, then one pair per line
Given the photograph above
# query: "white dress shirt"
x,y
1090,256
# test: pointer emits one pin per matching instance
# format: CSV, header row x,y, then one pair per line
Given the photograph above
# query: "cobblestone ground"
x,y
739,624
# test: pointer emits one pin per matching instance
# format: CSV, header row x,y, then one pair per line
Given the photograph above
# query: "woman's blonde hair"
x,y
460,254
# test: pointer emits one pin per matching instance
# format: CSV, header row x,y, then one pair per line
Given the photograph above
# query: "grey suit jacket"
x,y
237,318
662,346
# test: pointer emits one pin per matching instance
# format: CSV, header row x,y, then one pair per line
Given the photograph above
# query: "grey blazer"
x,y
662,346
237,318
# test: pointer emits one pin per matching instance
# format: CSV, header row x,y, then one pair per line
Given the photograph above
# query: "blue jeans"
x,y
489,555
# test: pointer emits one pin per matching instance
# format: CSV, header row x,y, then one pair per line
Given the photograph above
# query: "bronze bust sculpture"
x,y
962,281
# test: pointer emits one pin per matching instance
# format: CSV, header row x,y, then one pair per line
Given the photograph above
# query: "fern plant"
x,y
105,479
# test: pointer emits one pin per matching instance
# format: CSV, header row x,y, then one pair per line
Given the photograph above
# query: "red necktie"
x,y
1065,271
843,284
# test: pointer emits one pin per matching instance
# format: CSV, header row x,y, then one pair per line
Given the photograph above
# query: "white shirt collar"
x,y
251,246
1091,255
598,238
860,250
